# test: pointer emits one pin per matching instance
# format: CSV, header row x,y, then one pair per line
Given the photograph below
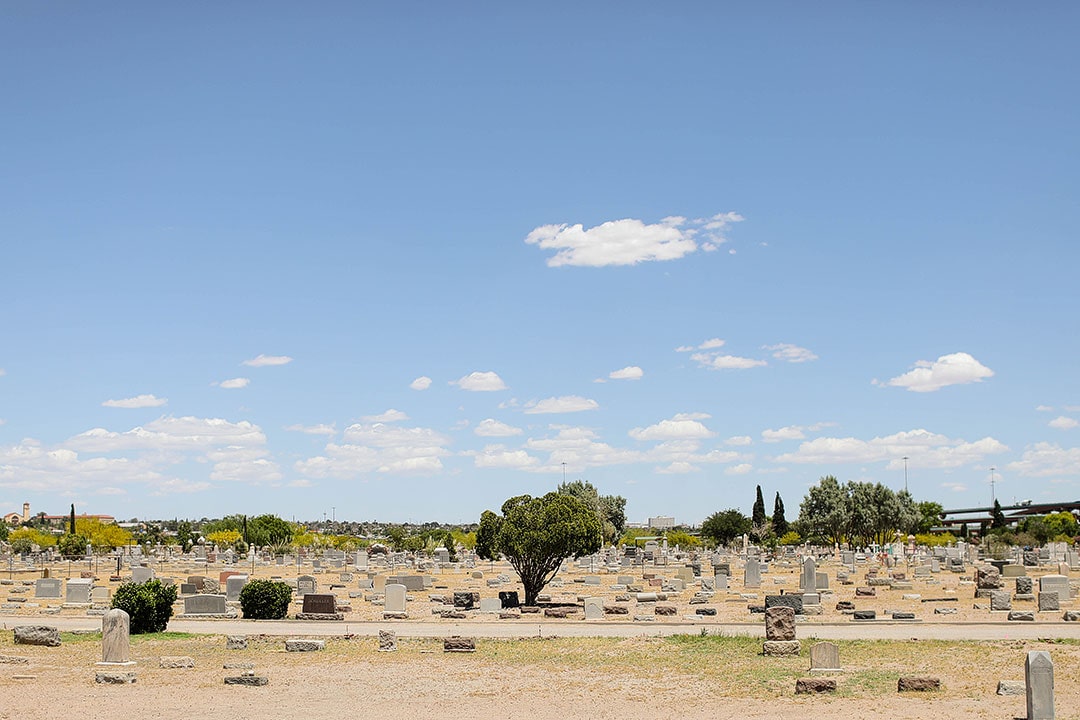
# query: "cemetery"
x,y
750,624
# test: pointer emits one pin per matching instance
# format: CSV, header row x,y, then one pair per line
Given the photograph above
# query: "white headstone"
x,y
1039,675
394,599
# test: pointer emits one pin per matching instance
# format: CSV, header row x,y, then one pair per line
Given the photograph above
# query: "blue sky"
x,y
401,261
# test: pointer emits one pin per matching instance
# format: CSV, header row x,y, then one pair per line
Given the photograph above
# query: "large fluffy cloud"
x,y
379,448
955,369
1047,460
630,241
678,428
268,360
564,404
923,449
139,401
481,382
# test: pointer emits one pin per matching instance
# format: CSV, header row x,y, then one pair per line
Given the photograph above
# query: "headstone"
x,y
1055,583
45,635
1023,585
809,576
1000,600
1049,601
824,656
205,605
1039,676
48,587
720,582
115,636
594,608
387,641
233,585
779,623
319,604
490,605
795,602
77,591
394,599
509,599
752,574
142,574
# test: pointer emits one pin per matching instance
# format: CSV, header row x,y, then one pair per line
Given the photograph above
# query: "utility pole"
x,y
905,473
992,498
564,473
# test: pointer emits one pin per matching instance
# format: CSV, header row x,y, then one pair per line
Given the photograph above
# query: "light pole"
x,y
564,473
905,473
992,498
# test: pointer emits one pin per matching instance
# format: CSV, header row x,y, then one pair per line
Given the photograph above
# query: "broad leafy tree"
x,y
537,534
266,530
723,527
610,509
824,511
929,515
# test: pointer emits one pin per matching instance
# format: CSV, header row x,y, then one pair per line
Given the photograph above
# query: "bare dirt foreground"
x,y
686,676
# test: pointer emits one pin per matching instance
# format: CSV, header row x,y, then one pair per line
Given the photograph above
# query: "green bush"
x,y
72,546
265,600
148,604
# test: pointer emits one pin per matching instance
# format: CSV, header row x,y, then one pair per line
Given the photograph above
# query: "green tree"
x,y
824,511
265,599
681,538
723,527
148,604
779,522
537,534
4,531
908,515
757,517
929,515
1061,525
610,509
266,530
998,516
71,520
72,546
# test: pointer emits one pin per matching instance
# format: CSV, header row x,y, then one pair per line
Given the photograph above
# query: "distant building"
x,y
17,519
661,522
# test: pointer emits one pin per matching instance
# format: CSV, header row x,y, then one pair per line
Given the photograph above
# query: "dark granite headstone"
x,y
320,604
795,602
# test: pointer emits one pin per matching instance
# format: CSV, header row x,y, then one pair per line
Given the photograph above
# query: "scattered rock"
x,y
296,645
456,643
236,642
248,680
912,683
1011,687
1021,616
813,686
115,678
175,662
37,635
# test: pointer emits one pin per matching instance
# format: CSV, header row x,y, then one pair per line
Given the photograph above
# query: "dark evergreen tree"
x,y
779,522
999,517
71,525
757,517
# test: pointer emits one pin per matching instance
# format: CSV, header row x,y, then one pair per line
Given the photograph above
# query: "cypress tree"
x,y
758,516
71,524
779,522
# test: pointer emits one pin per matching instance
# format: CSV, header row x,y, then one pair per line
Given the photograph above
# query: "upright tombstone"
x,y
809,576
752,573
48,587
594,608
77,591
1039,676
115,638
141,574
233,585
394,602
306,584
824,657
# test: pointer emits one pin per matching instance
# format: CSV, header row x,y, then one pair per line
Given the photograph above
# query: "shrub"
x,y
72,546
265,600
148,604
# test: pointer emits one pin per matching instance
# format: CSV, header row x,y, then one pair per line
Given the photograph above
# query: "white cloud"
x,y
679,467
923,449
313,429
692,416
390,415
711,344
480,382
580,448
630,241
493,428
955,369
1063,423
170,434
497,456
268,360
684,348
29,466
739,440
379,448
725,362
1044,408
740,469
954,486
631,372
791,432
3,372
565,404
254,471
234,383
674,429
1047,459
790,353
139,401
421,383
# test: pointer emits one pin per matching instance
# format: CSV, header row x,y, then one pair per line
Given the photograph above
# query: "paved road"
x,y
880,630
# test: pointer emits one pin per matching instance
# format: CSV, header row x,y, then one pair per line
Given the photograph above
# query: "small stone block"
x,y
248,680
917,684
304,645
1021,616
814,686
1011,687
115,678
459,644
176,662
236,642
780,648
865,615
903,616
665,610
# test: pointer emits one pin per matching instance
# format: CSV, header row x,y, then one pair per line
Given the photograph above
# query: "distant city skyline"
x,y
407,266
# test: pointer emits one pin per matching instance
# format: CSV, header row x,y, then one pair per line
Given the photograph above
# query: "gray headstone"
x,y
752,574
809,576
594,608
48,587
1055,583
824,656
394,601
1039,676
77,591
306,584
205,605
233,585
115,629
142,574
